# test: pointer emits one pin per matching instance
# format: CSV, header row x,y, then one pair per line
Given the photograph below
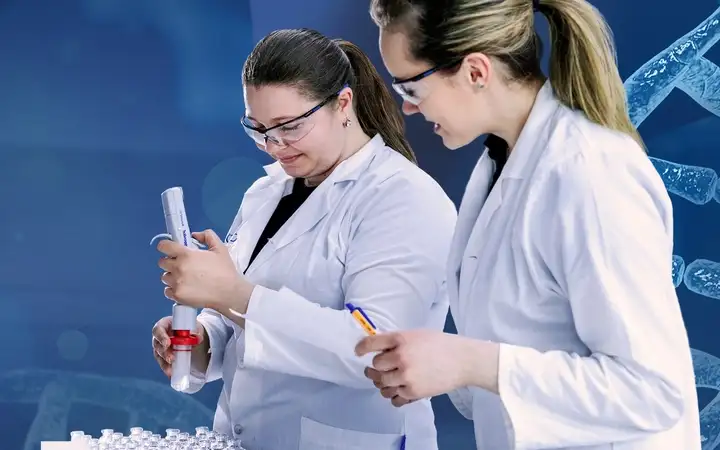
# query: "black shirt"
x,y
498,152
285,209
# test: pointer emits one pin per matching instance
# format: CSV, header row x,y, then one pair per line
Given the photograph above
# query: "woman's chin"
x,y
451,143
296,169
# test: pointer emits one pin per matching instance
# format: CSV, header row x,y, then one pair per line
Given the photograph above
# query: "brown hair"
x,y
319,66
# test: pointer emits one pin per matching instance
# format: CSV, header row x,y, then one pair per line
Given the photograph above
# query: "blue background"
x,y
105,103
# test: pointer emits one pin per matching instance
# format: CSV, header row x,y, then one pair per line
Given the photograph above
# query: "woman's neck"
x,y
514,107
356,140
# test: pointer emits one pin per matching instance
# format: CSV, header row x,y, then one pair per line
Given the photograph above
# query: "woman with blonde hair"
x,y
570,335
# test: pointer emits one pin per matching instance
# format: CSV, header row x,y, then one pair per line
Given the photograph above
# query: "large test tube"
x,y
183,338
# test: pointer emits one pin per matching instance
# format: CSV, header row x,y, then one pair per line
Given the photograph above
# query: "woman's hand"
x,y
203,278
422,363
162,349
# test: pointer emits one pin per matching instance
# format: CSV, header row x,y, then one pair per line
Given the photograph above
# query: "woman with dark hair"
x,y
344,224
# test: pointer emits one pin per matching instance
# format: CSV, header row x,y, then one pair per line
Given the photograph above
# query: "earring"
x,y
347,122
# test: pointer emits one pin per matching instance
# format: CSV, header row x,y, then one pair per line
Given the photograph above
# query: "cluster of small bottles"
x,y
139,439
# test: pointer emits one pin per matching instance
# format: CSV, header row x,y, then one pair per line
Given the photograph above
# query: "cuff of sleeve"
x,y
217,349
511,384
263,306
260,311
254,349
459,398
274,319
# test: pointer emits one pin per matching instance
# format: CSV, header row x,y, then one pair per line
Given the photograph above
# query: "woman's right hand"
x,y
162,350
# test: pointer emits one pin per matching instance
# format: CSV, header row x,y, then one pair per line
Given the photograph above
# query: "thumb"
x,y
377,343
209,239
200,332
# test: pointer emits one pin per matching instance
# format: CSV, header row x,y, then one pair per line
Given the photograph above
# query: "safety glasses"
x,y
413,90
288,132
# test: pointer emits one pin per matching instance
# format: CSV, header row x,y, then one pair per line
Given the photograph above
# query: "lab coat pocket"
x,y
317,436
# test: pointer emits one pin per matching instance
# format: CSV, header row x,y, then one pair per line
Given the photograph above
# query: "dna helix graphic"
x,y
682,65
147,402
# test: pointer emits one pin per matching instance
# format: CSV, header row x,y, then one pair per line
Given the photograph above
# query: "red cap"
x,y
184,337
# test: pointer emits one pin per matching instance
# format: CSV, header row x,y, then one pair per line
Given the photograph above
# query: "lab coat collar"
x,y
533,136
317,206
350,169
354,166
478,209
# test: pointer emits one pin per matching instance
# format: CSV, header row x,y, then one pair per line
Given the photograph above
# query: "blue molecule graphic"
x,y
224,187
693,183
148,403
675,66
678,269
703,277
684,66
681,65
707,375
702,84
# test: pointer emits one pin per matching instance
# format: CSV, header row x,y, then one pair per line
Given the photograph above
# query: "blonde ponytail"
x,y
583,65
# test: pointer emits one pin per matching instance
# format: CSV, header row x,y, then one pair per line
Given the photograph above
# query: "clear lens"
x,y
284,135
411,91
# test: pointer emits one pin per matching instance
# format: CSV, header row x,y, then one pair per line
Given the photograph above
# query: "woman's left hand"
x,y
203,278
421,363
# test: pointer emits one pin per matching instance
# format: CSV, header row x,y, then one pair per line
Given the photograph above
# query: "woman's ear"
x,y
477,70
345,99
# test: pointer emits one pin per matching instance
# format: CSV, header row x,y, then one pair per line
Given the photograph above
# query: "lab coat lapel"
x,y
320,202
524,156
474,220
304,219
258,205
491,204
472,202
511,184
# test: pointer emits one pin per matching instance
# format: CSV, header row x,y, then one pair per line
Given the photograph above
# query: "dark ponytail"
x,y
375,107
320,67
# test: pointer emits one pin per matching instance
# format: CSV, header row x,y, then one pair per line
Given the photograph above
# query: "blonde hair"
x,y
583,67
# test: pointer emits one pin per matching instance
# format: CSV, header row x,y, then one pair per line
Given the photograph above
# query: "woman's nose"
x,y
271,146
409,109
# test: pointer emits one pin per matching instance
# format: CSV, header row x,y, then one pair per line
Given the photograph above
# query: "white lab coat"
x,y
567,264
377,234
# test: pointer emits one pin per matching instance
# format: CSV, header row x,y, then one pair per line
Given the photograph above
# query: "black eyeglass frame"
x,y
264,131
427,73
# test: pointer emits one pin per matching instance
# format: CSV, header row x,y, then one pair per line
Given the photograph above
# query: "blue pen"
x,y
370,329
362,318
